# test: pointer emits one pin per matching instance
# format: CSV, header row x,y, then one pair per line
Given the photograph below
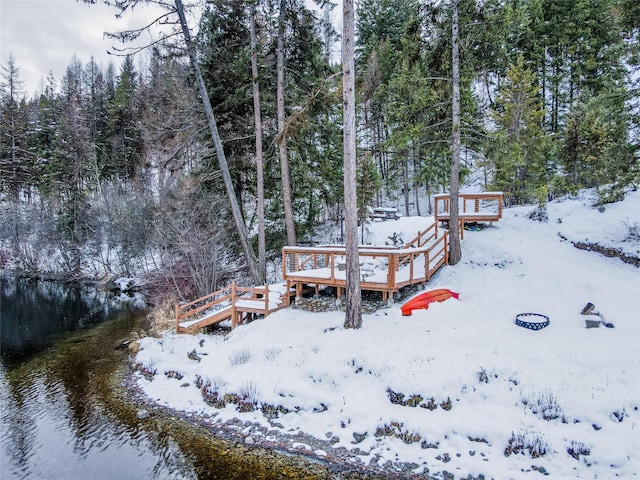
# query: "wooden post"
x,y
284,263
427,275
288,294
411,258
446,248
392,261
333,267
266,299
233,305
177,319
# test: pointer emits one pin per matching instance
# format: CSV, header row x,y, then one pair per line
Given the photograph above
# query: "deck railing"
x,y
472,207
224,298
382,269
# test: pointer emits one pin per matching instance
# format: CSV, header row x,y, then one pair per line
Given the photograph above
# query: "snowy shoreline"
x,y
458,388
253,435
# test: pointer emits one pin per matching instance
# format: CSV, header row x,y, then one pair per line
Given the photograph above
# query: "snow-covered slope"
x,y
458,387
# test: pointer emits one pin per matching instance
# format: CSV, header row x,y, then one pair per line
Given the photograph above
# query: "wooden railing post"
x,y
333,267
446,248
427,265
266,299
177,319
284,263
411,259
392,261
233,305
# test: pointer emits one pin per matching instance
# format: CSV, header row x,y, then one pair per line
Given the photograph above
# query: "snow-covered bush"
x,y
240,357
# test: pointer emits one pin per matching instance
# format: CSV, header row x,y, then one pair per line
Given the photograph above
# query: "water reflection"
x,y
59,419
40,440
33,314
65,415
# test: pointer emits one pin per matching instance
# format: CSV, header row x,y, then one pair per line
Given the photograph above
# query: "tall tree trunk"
x,y
405,187
455,252
353,317
262,261
416,180
282,143
222,159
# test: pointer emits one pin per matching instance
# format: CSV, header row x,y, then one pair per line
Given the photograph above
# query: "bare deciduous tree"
x,y
183,30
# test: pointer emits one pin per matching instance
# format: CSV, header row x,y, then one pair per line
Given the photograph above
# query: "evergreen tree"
x,y
124,131
44,137
14,152
96,108
72,163
519,146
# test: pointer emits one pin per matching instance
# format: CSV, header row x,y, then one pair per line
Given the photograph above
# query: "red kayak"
x,y
424,299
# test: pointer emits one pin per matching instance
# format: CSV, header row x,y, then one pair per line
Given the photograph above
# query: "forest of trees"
x,y
113,171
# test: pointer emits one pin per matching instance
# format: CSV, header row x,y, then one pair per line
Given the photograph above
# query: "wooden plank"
x,y
211,319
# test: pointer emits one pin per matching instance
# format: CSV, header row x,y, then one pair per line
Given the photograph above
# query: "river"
x,y
65,413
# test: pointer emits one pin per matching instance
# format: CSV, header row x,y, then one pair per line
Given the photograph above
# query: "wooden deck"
x,y
382,269
473,207
230,303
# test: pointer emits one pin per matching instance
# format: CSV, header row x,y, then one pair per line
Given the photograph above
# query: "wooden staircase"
x,y
234,303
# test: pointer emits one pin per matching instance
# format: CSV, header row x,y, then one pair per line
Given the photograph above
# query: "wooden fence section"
x,y
473,207
382,269
229,303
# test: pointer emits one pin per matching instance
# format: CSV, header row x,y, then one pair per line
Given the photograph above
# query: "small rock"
x,y
596,427
359,437
142,414
186,384
472,452
249,440
193,355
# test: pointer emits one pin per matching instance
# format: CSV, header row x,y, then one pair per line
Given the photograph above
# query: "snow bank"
x,y
458,387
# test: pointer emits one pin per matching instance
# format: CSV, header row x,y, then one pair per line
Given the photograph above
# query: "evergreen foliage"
x,y
92,165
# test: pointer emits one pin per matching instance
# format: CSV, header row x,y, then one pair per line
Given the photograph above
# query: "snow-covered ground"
x,y
458,387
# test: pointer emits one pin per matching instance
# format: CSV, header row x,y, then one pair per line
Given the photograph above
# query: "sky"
x,y
44,35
